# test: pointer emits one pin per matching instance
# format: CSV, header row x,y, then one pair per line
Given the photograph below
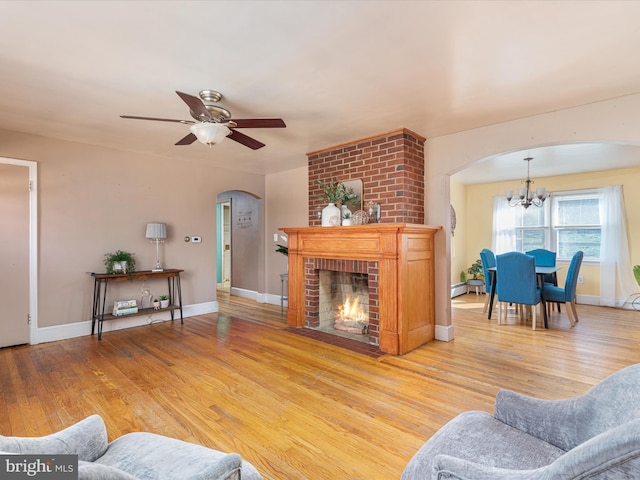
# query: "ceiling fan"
x,y
213,122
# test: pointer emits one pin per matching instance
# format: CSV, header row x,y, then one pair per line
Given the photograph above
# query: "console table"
x,y
102,281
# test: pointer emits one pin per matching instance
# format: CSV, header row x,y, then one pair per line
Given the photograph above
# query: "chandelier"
x,y
527,197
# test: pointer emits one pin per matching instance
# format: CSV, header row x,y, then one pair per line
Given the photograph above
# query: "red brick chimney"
x,y
391,167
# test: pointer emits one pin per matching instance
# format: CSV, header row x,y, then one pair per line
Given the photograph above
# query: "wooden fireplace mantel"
x,y
405,257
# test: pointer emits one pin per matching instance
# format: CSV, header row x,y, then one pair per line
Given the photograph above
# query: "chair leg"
x,y
572,305
486,303
534,320
572,320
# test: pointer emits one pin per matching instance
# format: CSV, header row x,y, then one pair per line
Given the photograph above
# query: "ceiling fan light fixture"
x,y
210,133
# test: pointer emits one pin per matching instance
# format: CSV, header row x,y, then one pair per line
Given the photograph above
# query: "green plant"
x,y
336,192
476,270
349,197
331,191
346,215
119,256
283,250
636,273
163,297
463,277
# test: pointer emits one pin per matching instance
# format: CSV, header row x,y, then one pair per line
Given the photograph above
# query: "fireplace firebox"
x,y
344,306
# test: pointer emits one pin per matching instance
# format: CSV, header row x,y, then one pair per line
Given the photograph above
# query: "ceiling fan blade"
x,y
188,140
245,140
186,122
195,104
259,123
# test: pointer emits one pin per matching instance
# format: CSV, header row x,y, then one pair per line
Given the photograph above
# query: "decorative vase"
x,y
346,222
331,216
164,303
343,211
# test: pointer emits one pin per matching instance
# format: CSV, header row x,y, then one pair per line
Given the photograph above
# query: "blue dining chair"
x,y
566,295
488,259
517,283
545,258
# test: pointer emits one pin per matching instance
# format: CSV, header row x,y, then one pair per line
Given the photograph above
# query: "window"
x,y
532,228
566,223
576,225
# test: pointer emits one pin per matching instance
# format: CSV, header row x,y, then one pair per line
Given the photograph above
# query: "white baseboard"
x,y
269,298
588,300
81,329
444,333
458,289
241,292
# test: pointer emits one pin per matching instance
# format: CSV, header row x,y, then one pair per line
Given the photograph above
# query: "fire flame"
x,y
352,311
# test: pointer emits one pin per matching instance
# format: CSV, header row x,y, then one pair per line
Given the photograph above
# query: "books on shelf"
x,y
125,307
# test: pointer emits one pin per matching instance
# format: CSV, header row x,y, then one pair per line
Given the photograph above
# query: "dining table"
x,y
541,272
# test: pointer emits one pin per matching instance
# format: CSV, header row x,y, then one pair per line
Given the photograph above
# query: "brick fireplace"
x,y
396,254
399,262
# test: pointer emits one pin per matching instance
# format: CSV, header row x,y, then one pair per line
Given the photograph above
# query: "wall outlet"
x,y
196,239
580,279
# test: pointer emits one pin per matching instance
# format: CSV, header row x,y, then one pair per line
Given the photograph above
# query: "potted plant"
x,y
349,197
332,193
164,301
475,271
119,262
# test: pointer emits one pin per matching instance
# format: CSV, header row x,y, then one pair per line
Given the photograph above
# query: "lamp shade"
x,y
156,230
209,133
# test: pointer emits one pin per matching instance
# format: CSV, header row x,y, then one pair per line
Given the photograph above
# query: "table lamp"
x,y
157,232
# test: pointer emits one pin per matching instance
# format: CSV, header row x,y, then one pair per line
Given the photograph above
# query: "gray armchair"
x,y
134,456
594,436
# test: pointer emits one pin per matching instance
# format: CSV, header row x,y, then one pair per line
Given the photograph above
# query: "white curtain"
x,y
617,282
504,226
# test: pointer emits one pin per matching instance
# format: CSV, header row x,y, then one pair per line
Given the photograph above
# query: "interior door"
x,y
14,255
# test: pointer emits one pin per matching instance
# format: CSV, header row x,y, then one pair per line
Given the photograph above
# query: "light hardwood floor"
x,y
295,407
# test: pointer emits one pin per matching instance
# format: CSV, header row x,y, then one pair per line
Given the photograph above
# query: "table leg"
x,y
101,318
179,296
171,287
542,300
96,304
493,291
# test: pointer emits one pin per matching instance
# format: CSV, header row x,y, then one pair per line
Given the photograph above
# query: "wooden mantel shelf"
x,y
405,257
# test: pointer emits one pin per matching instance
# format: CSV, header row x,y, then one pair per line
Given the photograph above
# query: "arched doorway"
x,y
239,243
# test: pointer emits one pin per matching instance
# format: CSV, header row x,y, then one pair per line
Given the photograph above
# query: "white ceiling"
x,y
334,71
